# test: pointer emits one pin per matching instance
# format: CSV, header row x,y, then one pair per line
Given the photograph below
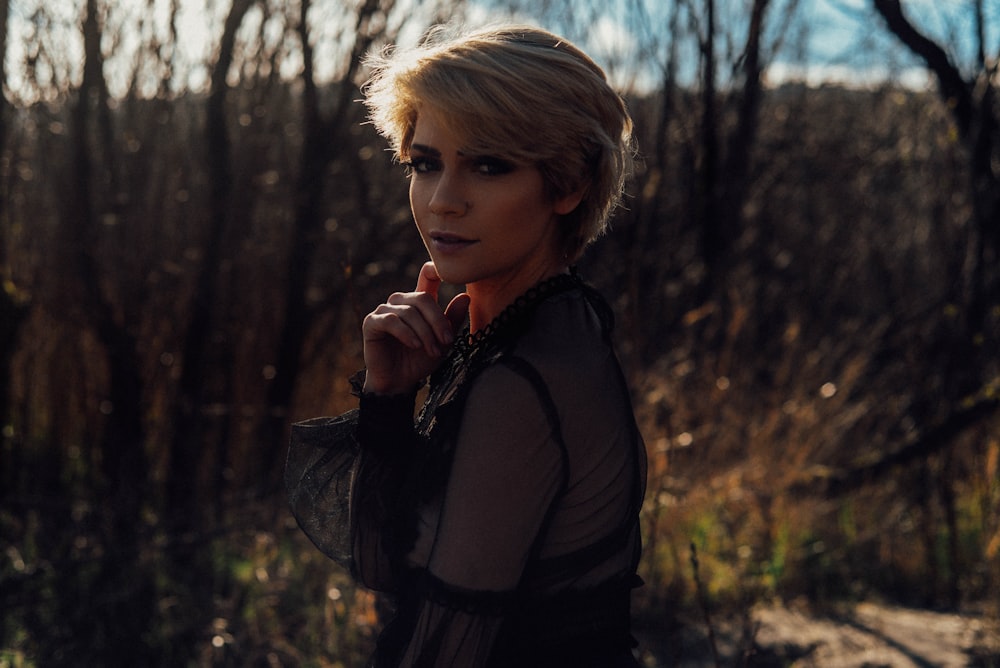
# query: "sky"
x,y
829,40
849,42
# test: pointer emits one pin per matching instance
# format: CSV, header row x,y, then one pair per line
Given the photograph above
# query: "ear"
x,y
568,202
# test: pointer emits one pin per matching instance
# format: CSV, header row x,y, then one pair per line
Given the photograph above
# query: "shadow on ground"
x,y
864,635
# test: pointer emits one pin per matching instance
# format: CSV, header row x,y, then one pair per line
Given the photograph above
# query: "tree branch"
x,y
954,89
936,439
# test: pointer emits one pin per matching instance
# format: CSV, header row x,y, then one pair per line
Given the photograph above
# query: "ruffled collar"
x,y
512,321
471,353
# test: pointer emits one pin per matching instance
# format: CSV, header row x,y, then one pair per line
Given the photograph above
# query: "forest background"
x,y
806,280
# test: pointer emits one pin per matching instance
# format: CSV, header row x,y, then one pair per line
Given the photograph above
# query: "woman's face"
x,y
484,220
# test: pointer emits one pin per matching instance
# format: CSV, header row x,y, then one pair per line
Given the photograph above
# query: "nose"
x,y
447,198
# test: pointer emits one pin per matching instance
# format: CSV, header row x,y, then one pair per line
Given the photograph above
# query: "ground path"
x,y
865,635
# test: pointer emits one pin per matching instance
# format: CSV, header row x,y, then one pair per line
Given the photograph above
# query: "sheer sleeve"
x,y
343,480
389,446
321,462
508,466
504,519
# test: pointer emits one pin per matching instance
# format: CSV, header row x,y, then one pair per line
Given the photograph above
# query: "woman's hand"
x,y
406,338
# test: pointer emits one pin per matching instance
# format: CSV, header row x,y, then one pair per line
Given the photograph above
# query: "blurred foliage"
x,y
819,407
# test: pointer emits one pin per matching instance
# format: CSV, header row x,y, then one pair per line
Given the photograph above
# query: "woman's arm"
x,y
509,465
343,477
342,473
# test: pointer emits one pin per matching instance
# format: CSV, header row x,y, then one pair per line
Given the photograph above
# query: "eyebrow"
x,y
429,150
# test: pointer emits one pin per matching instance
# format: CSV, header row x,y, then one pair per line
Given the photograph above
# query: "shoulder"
x,y
569,336
569,347
562,364
507,392
510,418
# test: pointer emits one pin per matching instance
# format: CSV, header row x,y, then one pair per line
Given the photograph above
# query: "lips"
x,y
447,241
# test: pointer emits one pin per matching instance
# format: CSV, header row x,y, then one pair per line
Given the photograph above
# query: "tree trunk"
x,y
713,239
188,443
973,109
123,439
318,151
13,308
741,142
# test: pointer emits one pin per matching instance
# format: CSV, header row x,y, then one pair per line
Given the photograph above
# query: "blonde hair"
x,y
520,93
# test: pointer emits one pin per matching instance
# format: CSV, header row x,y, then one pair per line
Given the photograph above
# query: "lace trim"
x,y
515,313
472,352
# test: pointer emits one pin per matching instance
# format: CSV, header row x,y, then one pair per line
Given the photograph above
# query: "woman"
x,y
503,520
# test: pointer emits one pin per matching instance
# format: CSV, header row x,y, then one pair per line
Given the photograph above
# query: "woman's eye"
x,y
493,166
420,165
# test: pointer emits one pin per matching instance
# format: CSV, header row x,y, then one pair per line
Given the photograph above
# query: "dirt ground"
x,y
866,635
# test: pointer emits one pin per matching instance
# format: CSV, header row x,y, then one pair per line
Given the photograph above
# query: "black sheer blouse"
x,y
503,520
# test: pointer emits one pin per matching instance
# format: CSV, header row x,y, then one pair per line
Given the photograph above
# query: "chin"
x,y
453,277
450,273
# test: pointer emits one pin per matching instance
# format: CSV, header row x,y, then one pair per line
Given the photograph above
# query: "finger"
x,y
380,325
426,306
418,314
428,280
457,311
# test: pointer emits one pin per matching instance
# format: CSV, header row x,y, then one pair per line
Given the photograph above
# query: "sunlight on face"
x,y
483,219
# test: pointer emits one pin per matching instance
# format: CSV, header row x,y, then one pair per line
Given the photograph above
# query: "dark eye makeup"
x,y
485,165
491,166
421,164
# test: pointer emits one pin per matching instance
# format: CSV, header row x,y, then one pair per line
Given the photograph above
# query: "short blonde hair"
x,y
520,93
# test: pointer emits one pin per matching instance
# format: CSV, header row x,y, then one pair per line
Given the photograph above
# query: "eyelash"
x,y
484,166
494,166
418,165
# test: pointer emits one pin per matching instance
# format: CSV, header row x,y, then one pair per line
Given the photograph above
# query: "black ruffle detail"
x,y
322,459
477,602
515,318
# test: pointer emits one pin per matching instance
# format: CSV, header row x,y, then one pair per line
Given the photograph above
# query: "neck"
x,y
491,297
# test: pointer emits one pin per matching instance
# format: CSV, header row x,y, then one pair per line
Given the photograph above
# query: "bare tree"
x,y
13,309
319,148
703,182
972,100
727,147
188,445
123,435
974,107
